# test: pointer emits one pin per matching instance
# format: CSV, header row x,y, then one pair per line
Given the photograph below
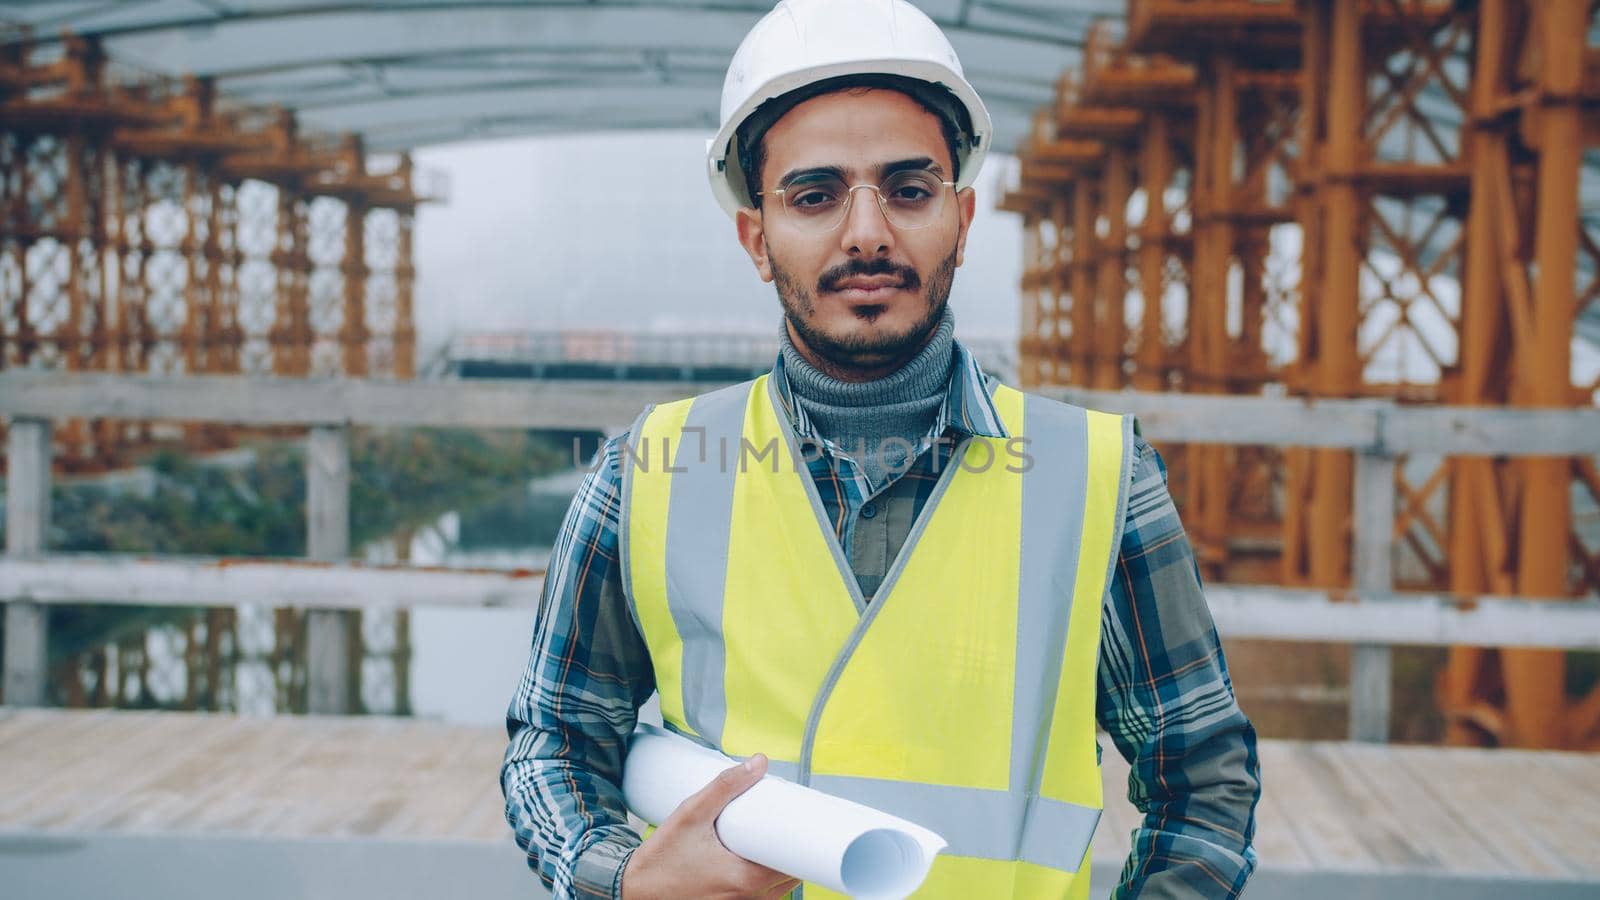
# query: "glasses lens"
x,y
912,199
816,204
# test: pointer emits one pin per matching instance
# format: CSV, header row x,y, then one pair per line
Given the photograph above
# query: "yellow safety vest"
x,y
963,697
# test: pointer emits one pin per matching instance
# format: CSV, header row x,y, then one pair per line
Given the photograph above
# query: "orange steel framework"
x,y
147,226
1340,198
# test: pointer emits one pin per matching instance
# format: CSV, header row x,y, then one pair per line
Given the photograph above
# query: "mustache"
x,y
830,279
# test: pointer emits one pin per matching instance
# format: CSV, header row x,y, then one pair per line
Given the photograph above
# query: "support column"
x,y
1477,522
1371,665
1214,221
1216,143
1337,367
1155,171
1031,346
1535,679
291,329
1081,344
353,334
1300,462
1058,366
195,302
70,233
405,276
329,687
1111,293
27,658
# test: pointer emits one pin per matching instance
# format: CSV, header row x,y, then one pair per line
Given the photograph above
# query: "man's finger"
x,y
729,783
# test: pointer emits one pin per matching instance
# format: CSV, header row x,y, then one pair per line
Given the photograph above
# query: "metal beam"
x,y
595,103
1374,425
428,134
200,582
1429,620
440,127
1245,612
304,89
333,401
318,36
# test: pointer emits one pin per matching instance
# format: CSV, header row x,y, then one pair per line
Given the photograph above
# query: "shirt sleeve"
x,y
577,701
1167,703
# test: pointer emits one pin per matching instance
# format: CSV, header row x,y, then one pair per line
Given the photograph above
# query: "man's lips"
x,y
868,288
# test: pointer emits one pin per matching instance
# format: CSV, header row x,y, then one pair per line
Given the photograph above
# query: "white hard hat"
x,y
802,42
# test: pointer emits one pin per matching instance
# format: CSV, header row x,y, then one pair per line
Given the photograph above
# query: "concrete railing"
x,y
1373,426
1371,617
1252,612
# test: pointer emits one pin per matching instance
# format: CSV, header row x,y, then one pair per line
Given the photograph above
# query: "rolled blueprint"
x,y
803,833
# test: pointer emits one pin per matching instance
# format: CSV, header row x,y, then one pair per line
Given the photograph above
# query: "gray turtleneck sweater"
x,y
860,416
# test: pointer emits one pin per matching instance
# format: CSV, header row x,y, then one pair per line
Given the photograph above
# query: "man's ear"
x,y
753,238
966,206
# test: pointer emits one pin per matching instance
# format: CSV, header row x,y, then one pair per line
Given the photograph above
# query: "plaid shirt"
x,y
1163,693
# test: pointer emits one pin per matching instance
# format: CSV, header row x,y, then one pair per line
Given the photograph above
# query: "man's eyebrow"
x,y
904,165
810,172
914,164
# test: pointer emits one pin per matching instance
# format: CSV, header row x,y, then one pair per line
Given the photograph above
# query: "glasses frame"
x,y
876,189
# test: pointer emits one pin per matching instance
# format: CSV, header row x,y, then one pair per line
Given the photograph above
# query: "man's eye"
x,y
813,198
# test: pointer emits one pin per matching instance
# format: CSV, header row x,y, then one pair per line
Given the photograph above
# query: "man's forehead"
x,y
854,122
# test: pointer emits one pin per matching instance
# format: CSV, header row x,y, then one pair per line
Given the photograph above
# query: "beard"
x,y
852,351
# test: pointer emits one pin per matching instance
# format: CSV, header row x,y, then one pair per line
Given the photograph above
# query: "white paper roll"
x,y
804,833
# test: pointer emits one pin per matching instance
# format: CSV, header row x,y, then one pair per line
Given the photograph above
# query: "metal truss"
x,y
1342,198
149,226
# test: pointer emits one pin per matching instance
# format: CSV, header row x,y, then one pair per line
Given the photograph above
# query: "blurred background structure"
x,y
1395,199
1341,256
194,189
152,225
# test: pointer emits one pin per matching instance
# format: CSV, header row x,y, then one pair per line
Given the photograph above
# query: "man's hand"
x,y
684,857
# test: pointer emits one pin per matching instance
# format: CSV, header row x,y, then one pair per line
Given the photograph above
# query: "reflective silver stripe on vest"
x,y
975,822
1054,491
699,515
1054,830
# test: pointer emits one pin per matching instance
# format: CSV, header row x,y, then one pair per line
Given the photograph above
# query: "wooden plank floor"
x,y
1326,806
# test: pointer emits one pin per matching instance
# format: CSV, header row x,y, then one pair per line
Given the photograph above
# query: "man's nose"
x,y
866,232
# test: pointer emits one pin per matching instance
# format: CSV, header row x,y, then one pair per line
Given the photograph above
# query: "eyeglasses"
x,y
818,203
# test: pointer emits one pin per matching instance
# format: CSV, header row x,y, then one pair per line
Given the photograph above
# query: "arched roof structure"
x,y
408,74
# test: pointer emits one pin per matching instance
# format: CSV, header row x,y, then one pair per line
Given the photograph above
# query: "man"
x,y
894,578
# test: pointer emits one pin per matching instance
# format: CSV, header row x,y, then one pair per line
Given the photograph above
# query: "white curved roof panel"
x,y
408,74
